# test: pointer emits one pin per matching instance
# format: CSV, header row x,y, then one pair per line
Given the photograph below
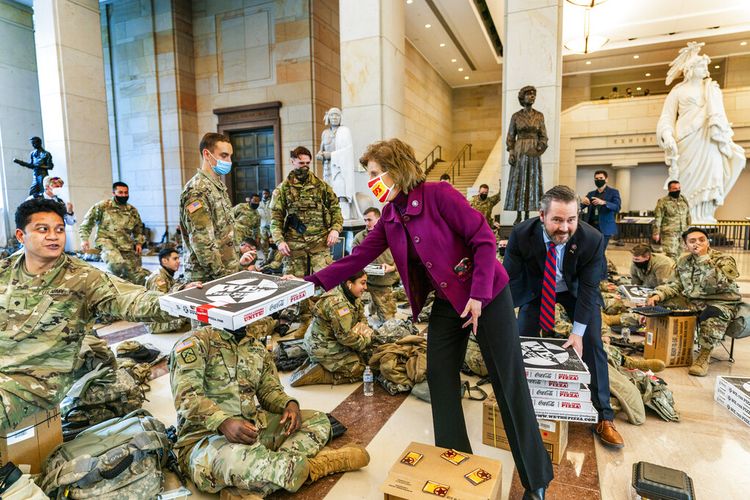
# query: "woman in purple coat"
x,y
440,243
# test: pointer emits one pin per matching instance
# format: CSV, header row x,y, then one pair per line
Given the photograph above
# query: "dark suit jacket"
x,y
607,213
582,266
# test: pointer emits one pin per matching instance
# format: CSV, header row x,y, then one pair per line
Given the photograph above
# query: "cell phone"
x,y
463,268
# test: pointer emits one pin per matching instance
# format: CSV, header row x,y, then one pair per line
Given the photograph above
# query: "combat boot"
x,y
311,373
329,461
611,319
699,367
655,365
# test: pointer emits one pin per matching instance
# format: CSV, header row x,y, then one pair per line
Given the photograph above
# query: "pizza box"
x,y
542,392
556,384
374,270
586,418
236,300
545,359
544,405
733,393
740,385
424,471
635,294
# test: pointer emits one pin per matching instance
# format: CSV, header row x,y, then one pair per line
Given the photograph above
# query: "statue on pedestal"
x,y
337,154
41,163
696,136
526,142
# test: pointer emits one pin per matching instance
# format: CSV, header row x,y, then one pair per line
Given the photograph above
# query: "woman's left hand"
x,y
473,307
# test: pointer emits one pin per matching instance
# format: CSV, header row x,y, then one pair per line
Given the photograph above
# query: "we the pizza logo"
x,y
540,353
242,290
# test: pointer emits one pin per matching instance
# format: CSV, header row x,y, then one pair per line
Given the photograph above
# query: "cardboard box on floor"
x,y
670,339
406,481
554,433
32,441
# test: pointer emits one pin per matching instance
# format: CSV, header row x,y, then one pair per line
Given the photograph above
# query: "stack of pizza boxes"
x,y
733,393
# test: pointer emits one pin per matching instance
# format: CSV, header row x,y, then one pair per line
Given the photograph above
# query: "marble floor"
x,y
708,443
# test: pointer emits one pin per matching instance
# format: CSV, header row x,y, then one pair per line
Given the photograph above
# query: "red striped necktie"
x,y
547,311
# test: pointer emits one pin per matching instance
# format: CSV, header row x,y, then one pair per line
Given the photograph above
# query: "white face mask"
x,y
57,192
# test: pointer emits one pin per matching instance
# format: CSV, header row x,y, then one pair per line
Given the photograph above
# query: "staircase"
x,y
462,170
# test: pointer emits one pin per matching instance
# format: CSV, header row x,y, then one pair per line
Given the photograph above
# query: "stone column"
x,y
68,42
533,56
622,183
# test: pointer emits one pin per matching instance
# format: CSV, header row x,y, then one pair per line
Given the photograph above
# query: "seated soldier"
x,y
338,337
47,301
703,280
164,281
649,269
224,441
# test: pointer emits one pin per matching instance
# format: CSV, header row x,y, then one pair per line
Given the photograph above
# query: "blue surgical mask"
x,y
222,167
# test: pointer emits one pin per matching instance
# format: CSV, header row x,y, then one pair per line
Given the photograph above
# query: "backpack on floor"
x,y
115,459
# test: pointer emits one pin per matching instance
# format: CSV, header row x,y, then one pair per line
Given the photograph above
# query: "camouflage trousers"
x,y
339,360
124,264
671,244
274,462
714,317
613,305
176,326
382,304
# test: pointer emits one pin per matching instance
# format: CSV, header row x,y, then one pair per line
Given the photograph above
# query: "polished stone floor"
x,y
708,443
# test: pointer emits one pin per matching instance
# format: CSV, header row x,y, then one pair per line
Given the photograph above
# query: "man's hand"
x,y
293,415
247,258
598,201
138,248
576,341
387,268
193,284
85,245
586,201
333,238
291,277
284,249
656,238
473,307
652,300
239,430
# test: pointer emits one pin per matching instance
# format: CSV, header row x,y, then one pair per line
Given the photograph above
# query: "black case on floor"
x,y
661,483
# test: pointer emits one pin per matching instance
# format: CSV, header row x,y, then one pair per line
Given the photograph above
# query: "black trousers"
x,y
498,340
593,351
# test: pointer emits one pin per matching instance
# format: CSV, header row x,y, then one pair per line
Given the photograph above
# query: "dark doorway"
x,y
254,161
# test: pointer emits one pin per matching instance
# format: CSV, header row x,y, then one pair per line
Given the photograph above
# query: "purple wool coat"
x,y
443,229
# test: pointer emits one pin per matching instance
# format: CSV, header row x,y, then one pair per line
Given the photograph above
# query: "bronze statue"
x,y
526,142
41,162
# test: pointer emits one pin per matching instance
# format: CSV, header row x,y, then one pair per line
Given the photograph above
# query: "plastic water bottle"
x,y
625,332
368,385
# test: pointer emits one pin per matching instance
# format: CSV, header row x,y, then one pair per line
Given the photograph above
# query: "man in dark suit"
x,y
554,258
601,206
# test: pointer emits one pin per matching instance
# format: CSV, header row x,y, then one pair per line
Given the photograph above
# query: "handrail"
x,y
459,161
431,159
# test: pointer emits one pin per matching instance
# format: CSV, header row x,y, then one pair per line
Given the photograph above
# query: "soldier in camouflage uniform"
x,y
206,215
224,440
383,304
338,338
649,269
703,280
47,301
484,203
247,220
672,218
164,281
118,226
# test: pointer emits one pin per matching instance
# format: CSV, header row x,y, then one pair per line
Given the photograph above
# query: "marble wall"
x,y
477,118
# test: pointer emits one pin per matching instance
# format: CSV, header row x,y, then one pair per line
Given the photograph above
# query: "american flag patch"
x,y
194,206
184,345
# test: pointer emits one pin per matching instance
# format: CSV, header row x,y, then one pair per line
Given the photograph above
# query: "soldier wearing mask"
x,y
53,190
484,203
672,217
247,219
206,214
119,234
704,280
649,269
164,281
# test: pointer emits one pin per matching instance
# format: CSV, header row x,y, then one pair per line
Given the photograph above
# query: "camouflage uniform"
x,y
215,377
247,222
659,270
672,218
485,206
380,287
706,284
317,206
339,335
119,229
164,282
207,221
43,320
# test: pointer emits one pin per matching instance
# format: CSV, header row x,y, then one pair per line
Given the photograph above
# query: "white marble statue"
x,y
337,154
696,136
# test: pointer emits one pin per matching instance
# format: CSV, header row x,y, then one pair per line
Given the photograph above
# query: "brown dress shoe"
x,y
608,435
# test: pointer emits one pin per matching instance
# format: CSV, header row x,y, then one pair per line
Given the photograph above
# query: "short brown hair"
x,y
640,250
372,210
397,158
560,193
300,150
210,139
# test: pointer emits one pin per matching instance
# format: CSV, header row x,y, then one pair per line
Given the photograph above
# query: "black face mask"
x,y
254,206
122,200
301,174
674,194
483,196
599,182
238,334
642,265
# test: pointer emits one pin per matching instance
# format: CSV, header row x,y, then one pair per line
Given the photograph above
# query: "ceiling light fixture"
x,y
588,43
588,62
648,74
409,1
453,60
460,69
717,67
743,43
466,78
428,26
637,88
636,56
442,45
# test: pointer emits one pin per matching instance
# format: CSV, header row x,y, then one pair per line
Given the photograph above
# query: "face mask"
x,y
599,182
482,196
301,174
379,189
254,206
222,167
122,200
57,191
674,194
642,265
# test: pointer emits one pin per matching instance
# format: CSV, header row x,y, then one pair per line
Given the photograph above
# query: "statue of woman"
x,y
696,136
526,142
337,154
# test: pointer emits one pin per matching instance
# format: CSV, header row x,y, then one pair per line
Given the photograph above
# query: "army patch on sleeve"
x,y
188,355
185,344
343,311
194,206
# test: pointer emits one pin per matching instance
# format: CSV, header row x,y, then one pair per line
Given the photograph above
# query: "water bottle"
x,y
269,343
368,385
625,333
